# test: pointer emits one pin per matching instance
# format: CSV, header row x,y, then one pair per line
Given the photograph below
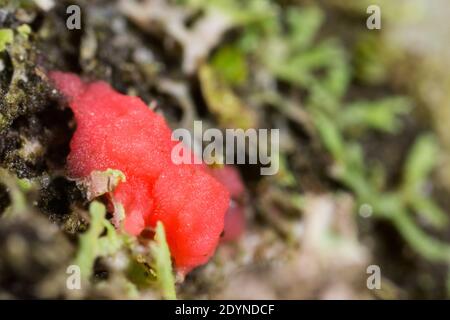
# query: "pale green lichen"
x,y
230,110
6,38
162,263
102,240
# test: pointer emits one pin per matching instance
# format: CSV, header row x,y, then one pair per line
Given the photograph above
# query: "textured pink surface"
x,y
120,132
234,218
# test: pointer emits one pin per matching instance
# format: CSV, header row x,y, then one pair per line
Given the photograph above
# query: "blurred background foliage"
x,y
365,146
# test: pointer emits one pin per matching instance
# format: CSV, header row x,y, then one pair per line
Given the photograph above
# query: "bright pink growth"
x,y
234,218
120,132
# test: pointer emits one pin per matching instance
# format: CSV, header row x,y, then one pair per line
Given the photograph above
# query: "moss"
x,y
28,90
274,49
6,38
33,253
